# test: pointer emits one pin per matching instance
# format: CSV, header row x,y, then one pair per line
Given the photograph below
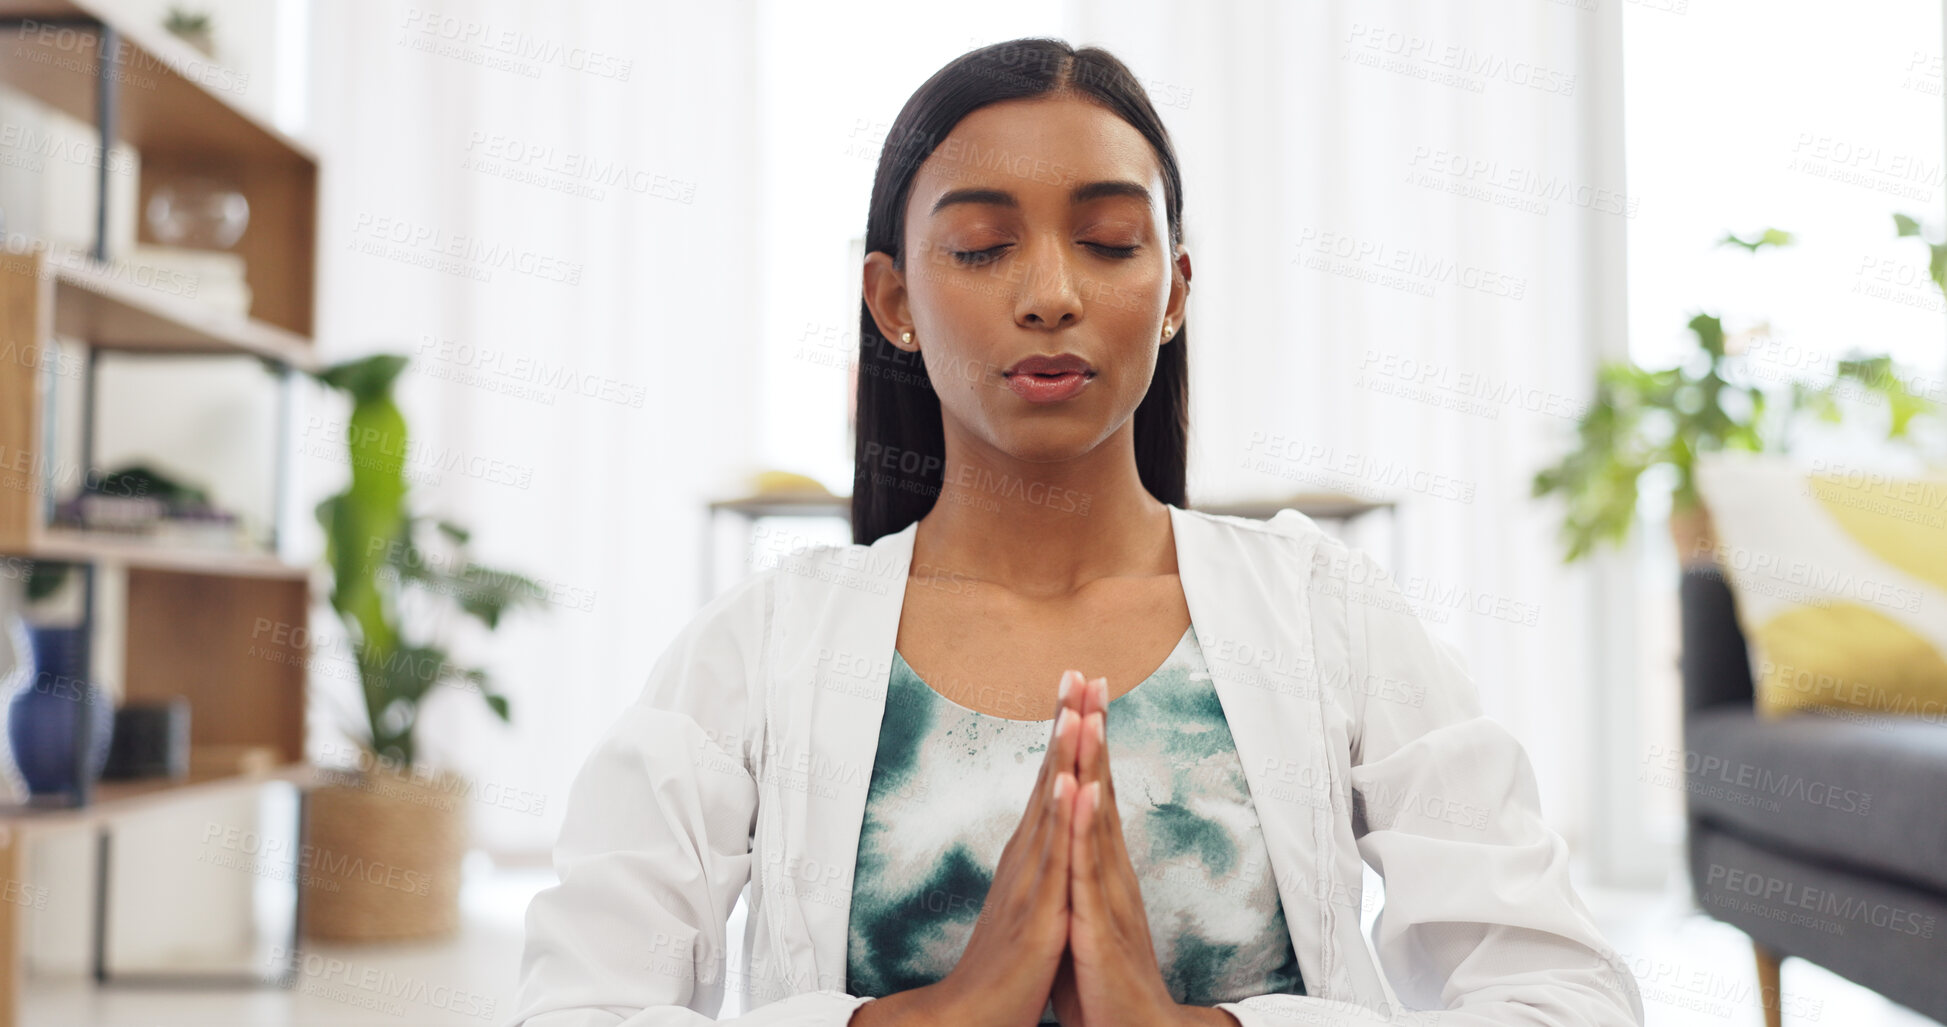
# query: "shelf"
x,y
118,798
1327,505
1331,506
94,304
79,546
174,99
786,504
88,301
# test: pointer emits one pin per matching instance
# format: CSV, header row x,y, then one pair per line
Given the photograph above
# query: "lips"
x,y
1060,364
1049,379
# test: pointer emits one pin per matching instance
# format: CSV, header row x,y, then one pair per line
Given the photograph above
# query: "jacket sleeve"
x,y
1480,926
655,849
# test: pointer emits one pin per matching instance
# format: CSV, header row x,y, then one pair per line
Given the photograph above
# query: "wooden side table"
x,y
1347,512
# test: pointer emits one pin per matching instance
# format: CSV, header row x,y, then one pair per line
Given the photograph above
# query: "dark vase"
x,y
42,719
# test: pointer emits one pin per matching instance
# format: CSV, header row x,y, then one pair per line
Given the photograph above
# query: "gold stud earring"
x,y
1168,330
906,337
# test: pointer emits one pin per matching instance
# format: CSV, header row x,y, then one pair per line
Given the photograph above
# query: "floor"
x,y
465,981
1693,972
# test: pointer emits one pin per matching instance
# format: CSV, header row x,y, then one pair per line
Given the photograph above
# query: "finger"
x,y
1050,891
1068,742
1057,812
1111,855
1100,830
1054,827
1056,873
1061,746
1085,892
1066,758
1098,691
1054,760
1088,750
1042,832
1073,698
1110,808
1060,759
1122,891
1071,682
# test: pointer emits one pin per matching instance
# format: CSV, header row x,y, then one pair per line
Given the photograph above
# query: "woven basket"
x,y
382,857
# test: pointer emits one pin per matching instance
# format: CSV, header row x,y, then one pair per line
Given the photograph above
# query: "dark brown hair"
x,y
899,420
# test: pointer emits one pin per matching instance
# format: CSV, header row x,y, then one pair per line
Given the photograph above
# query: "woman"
x,y
1042,744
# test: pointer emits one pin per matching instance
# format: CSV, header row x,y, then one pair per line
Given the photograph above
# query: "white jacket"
x,y
748,755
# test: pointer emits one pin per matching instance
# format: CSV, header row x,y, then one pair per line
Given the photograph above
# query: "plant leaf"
x,y
1710,334
486,593
1769,237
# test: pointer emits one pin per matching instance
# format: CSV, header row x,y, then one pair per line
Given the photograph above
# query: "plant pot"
x,y
202,39
1694,536
382,856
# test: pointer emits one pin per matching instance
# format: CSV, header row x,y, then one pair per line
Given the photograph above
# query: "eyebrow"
x,y
1002,198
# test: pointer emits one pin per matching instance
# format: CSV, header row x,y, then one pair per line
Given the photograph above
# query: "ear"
x,y
886,296
1179,290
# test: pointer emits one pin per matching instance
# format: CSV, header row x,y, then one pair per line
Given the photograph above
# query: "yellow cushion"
x,y
1841,583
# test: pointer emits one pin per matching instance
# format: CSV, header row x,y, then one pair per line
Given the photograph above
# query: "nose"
x,y
1049,296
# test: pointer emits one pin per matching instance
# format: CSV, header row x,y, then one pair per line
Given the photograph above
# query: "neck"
x,y
1045,529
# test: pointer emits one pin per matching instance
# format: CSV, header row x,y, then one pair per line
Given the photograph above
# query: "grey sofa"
x,y
1821,836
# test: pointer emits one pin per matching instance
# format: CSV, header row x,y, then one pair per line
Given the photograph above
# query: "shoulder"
x,y
1362,620
737,615
787,570
1288,522
718,666
1290,532
711,671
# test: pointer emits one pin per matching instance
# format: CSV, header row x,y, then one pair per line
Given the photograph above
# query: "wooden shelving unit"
x,y
194,615
174,106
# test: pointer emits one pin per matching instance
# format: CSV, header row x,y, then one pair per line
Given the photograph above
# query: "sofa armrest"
x,y
1715,663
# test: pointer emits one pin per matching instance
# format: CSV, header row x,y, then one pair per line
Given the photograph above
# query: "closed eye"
x,y
972,257
977,257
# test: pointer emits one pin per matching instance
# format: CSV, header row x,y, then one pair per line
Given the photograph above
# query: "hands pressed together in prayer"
x,y
1063,919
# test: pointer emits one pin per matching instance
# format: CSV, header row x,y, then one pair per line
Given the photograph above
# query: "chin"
x,y
1049,444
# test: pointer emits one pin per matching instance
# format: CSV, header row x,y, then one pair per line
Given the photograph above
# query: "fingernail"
x,y
1067,678
1102,729
1061,721
1102,690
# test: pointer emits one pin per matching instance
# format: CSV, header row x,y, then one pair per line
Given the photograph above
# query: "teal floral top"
x,y
949,786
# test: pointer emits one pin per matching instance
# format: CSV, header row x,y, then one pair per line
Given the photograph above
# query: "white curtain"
x,y
1406,223
579,177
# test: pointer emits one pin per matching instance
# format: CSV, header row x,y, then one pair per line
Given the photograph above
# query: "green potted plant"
x,y
192,27
1643,420
391,810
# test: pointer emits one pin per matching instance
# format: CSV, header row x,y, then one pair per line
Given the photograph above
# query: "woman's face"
x,y
1035,229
